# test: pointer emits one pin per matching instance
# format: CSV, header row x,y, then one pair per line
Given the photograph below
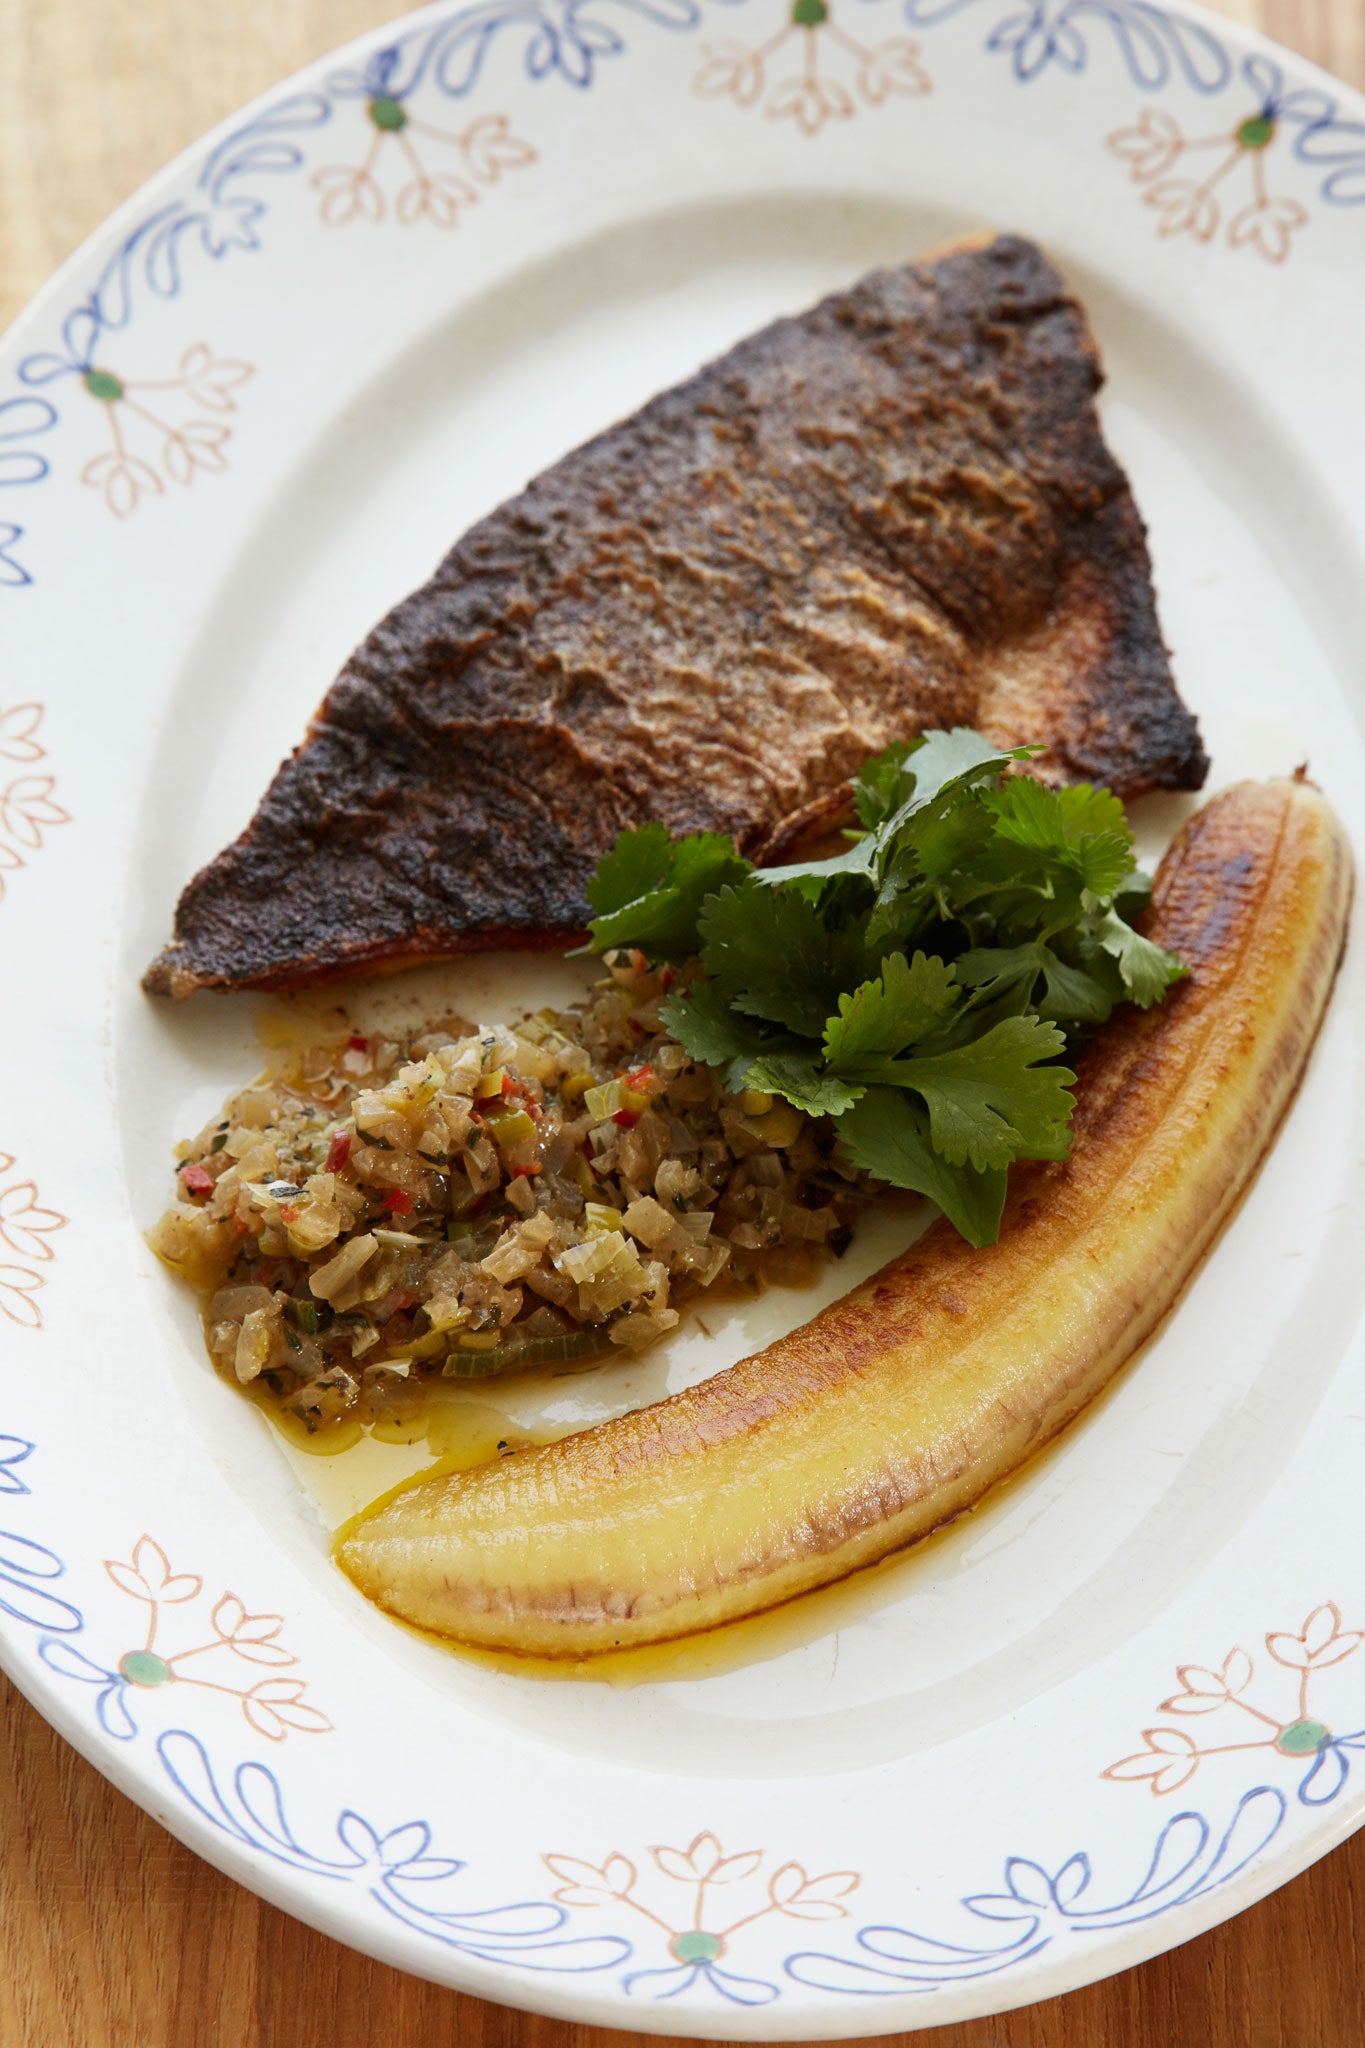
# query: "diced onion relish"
x,y
375,1216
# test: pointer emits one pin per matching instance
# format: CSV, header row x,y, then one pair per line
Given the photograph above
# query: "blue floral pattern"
x,y
1034,1905
1156,46
1036,1902
1161,47
567,40
397,1868
567,37
1191,1859
396,1865
13,1451
12,571
220,215
227,204
22,421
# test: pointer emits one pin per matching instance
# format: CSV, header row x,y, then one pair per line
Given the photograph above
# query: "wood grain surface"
x,y
111,1934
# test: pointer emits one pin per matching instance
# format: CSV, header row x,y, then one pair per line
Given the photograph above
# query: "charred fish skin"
x,y
893,512
897,1408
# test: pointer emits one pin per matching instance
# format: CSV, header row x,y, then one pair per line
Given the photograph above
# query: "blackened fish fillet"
x,y
894,512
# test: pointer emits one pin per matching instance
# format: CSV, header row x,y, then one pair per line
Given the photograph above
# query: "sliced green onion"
x,y
536,1351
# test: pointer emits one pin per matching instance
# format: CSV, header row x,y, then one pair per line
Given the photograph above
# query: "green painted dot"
x,y
1303,1738
388,114
1257,132
809,13
144,1667
104,385
699,1947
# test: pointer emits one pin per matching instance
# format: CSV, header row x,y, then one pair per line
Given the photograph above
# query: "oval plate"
x,y
1127,1697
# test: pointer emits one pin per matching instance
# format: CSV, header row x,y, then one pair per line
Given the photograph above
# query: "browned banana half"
x,y
896,1408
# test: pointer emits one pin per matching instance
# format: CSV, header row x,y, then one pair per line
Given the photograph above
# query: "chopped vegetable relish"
x,y
374,1216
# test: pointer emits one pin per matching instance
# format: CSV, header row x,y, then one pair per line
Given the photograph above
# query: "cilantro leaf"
x,y
799,1078
649,890
1080,827
879,787
995,969
887,1134
939,760
1134,895
947,834
702,1020
1148,970
916,986
889,790
1075,993
1070,993
775,957
910,1000
640,861
809,877
992,1101
915,771
704,1023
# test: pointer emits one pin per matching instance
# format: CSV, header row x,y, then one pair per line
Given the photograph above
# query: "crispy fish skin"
x,y
893,512
897,1407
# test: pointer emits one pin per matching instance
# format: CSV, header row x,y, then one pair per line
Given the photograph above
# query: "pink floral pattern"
x,y
273,1706
163,430
812,95
436,191
694,1931
1155,147
26,1229
1170,1756
28,807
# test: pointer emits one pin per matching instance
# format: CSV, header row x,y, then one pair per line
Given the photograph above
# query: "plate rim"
x,y
1128,1946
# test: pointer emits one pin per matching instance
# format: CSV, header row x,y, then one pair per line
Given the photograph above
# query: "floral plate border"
x,y
650,1951
688,1947
443,55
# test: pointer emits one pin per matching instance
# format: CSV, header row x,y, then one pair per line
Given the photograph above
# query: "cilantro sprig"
x,y
920,986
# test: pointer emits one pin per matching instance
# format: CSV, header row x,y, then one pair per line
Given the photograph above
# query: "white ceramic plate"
x,y
1120,1702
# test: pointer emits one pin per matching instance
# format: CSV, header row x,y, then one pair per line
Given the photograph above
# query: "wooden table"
x,y
111,1934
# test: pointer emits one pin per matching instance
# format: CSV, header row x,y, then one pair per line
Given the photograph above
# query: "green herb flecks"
x,y
920,986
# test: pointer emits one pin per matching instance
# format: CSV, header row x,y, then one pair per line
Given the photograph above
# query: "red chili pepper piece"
x,y
528,1100
339,1151
642,1077
398,1204
196,1179
357,1044
667,978
525,1172
627,1118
